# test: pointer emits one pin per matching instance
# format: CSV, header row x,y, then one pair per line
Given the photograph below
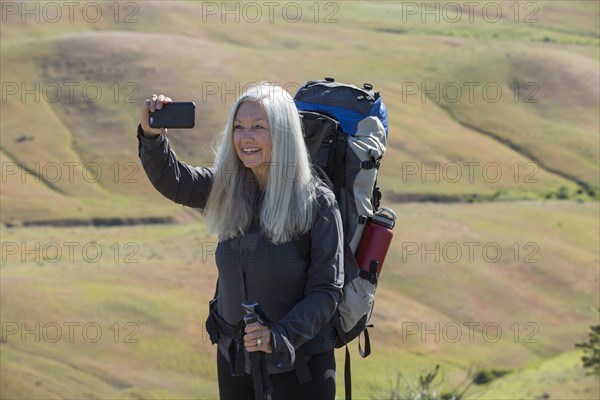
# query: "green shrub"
x,y
488,375
591,349
425,389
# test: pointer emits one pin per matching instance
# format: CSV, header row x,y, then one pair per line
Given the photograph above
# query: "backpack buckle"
x,y
368,164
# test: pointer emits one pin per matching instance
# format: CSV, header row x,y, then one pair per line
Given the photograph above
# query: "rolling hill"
x,y
92,78
491,120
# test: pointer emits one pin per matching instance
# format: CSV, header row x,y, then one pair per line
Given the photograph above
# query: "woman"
x,y
261,198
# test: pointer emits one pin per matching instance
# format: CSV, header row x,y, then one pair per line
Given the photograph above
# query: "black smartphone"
x,y
174,115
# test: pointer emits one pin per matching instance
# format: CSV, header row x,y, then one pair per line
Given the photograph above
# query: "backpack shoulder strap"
x,y
348,376
302,242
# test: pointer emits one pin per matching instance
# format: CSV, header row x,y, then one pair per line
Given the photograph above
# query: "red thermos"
x,y
375,240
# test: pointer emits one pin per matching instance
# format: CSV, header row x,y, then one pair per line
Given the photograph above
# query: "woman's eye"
x,y
237,127
259,127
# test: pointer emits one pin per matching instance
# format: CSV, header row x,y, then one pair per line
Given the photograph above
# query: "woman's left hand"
x,y
257,338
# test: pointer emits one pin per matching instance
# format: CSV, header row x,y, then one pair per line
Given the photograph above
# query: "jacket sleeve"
x,y
174,179
323,290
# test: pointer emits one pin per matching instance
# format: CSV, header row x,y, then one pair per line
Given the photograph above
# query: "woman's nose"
x,y
247,133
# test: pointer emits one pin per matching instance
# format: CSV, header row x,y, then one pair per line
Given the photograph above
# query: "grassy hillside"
x,y
515,275
507,148
561,377
159,279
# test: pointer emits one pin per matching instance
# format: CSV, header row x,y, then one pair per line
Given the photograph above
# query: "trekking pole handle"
x,y
249,306
251,315
251,318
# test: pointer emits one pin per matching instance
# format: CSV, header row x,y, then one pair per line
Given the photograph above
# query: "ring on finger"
x,y
259,342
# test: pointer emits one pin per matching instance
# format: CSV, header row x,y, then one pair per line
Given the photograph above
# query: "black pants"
x,y
285,385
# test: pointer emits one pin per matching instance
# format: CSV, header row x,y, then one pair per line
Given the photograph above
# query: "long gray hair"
x,y
288,205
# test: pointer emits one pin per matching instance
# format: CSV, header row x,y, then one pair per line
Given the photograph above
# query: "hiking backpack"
x,y
345,131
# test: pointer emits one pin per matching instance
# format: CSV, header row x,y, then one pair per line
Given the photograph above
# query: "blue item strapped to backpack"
x,y
347,104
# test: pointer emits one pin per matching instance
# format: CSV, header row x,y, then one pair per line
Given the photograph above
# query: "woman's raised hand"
x,y
151,105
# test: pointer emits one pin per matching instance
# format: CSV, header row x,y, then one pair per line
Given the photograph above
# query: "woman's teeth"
x,y
250,150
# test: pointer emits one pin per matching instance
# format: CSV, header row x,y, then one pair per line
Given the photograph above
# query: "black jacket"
x,y
298,295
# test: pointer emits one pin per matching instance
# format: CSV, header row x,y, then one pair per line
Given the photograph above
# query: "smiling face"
x,y
252,139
